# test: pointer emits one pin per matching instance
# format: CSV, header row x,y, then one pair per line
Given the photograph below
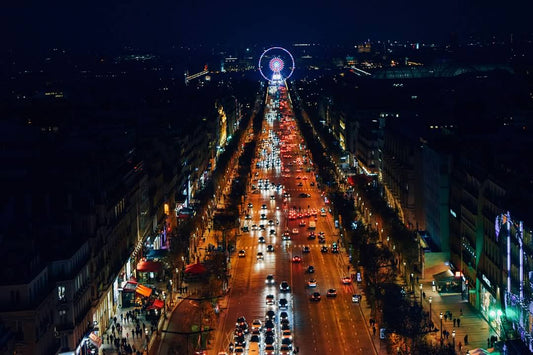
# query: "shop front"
x,y
149,271
489,306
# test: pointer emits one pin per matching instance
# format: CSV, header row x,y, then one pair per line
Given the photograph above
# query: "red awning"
x,y
156,304
95,340
195,269
149,266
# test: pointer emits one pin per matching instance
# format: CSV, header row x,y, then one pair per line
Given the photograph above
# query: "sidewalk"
x,y
134,335
472,324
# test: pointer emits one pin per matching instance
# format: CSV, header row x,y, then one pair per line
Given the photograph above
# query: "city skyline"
x,y
102,25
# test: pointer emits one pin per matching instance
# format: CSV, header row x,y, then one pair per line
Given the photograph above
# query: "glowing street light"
x,y
420,295
429,300
440,315
453,337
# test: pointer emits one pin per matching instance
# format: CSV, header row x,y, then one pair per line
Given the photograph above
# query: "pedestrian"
x,y
466,339
424,295
454,321
458,322
488,342
121,318
445,317
460,346
461,311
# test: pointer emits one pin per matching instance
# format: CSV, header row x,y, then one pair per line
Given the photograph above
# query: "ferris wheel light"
x,y
276,65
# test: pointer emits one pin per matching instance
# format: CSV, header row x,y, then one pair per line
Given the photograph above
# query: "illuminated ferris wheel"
x,y
276,64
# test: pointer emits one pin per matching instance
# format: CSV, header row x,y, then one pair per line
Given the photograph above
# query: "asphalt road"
x,y
331,325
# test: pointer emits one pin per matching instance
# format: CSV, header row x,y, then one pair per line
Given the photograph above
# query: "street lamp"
x,y
420,295
429,300
453,338
440,315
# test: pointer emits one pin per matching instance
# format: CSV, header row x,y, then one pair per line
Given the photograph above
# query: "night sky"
x,y
159,23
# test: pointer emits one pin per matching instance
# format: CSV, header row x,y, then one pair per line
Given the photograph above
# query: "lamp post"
x,y
440,315
420,295
453,339
429,300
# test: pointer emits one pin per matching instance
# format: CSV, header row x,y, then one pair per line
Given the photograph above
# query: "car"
x,y
272,232
296,259
285,326
286,341
295,231
270,222
331,293
270,248
254,338
263,216
283,315
263,207
269,326
306,249
254,227
311,283
242,253
302,223
270,299
270,349
310,269
270,315
321,239
324,249
245,229
285,350
356,298
300,184
284,286
346,280
238,350
261,239
260,256
247,216
269,279
283,303
257,324
262,227
269,340
304,195
315,296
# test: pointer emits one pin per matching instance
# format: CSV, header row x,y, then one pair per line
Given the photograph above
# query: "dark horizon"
x,y
32,26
